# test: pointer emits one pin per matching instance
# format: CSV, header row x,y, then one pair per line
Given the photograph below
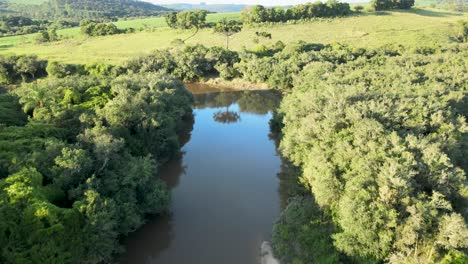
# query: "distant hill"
x,y
84,9
209,7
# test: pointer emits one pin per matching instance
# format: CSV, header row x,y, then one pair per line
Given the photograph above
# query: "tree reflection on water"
x,y
254,102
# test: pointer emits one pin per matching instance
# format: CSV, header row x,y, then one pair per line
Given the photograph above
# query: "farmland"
x,y
409,28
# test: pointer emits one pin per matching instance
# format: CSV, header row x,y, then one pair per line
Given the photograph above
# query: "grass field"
x,y
412,28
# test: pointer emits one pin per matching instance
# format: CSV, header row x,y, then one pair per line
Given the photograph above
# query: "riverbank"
x,y
266,252
219,84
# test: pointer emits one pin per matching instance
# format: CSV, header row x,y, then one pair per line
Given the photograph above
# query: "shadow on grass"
x,y
6,46
428,13
416,11
375,13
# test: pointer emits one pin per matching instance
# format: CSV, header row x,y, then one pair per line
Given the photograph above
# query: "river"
x,y
225,188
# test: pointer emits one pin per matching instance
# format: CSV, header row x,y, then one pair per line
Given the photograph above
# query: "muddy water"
x,y
225,188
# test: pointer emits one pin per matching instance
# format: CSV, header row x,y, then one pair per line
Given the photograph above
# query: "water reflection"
x,y
254,102
224,185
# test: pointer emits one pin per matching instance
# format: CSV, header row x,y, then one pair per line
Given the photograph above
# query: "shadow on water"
x,y
143,240
147,242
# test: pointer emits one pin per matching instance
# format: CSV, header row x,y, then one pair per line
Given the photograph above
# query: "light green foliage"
x,y
136,112
189,63
382,141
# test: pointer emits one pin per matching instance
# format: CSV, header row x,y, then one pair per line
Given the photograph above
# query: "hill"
x,y
208,7
85,9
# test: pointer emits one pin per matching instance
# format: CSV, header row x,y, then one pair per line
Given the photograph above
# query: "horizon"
x,y
243,2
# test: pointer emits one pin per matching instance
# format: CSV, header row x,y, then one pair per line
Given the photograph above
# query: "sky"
x,y
249,2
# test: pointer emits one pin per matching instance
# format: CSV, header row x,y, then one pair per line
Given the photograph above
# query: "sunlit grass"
x,y
410,28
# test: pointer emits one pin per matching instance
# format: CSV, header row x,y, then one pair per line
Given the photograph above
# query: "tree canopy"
x,y
82,170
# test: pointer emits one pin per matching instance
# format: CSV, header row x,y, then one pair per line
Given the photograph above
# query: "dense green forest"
x,y
78,155
381,143
77,10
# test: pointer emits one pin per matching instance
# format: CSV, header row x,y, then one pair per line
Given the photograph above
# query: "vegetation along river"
x,y
226,190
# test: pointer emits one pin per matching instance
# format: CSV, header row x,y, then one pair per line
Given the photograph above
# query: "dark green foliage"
x,y
10,111
47,36
77,10
82,171
263,34
379,5
24,67
358,8
195,19
19,25
94,29
302,233
261,14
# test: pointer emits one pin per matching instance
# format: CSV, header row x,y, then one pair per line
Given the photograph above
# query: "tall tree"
x,y
227,28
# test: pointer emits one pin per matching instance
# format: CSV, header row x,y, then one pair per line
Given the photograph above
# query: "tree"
x,y
171,19
358,8
27,65
227,28
187,20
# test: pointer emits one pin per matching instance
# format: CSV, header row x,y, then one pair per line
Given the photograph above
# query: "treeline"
x,y
95,29
276,65
260,14
379,5
381,143
79,158
77,10
187,19
19,25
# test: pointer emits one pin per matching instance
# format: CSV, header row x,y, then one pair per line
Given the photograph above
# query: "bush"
x,y
461,34
60,70
358,8
260,14
302,234
93,29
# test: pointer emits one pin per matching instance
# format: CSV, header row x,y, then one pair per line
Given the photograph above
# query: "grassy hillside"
x,y
84,9
26,2
413,28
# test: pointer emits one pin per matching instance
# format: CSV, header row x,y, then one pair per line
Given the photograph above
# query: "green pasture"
x,y
417,27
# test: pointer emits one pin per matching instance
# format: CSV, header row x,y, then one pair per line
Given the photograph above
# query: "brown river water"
x,y
226,193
